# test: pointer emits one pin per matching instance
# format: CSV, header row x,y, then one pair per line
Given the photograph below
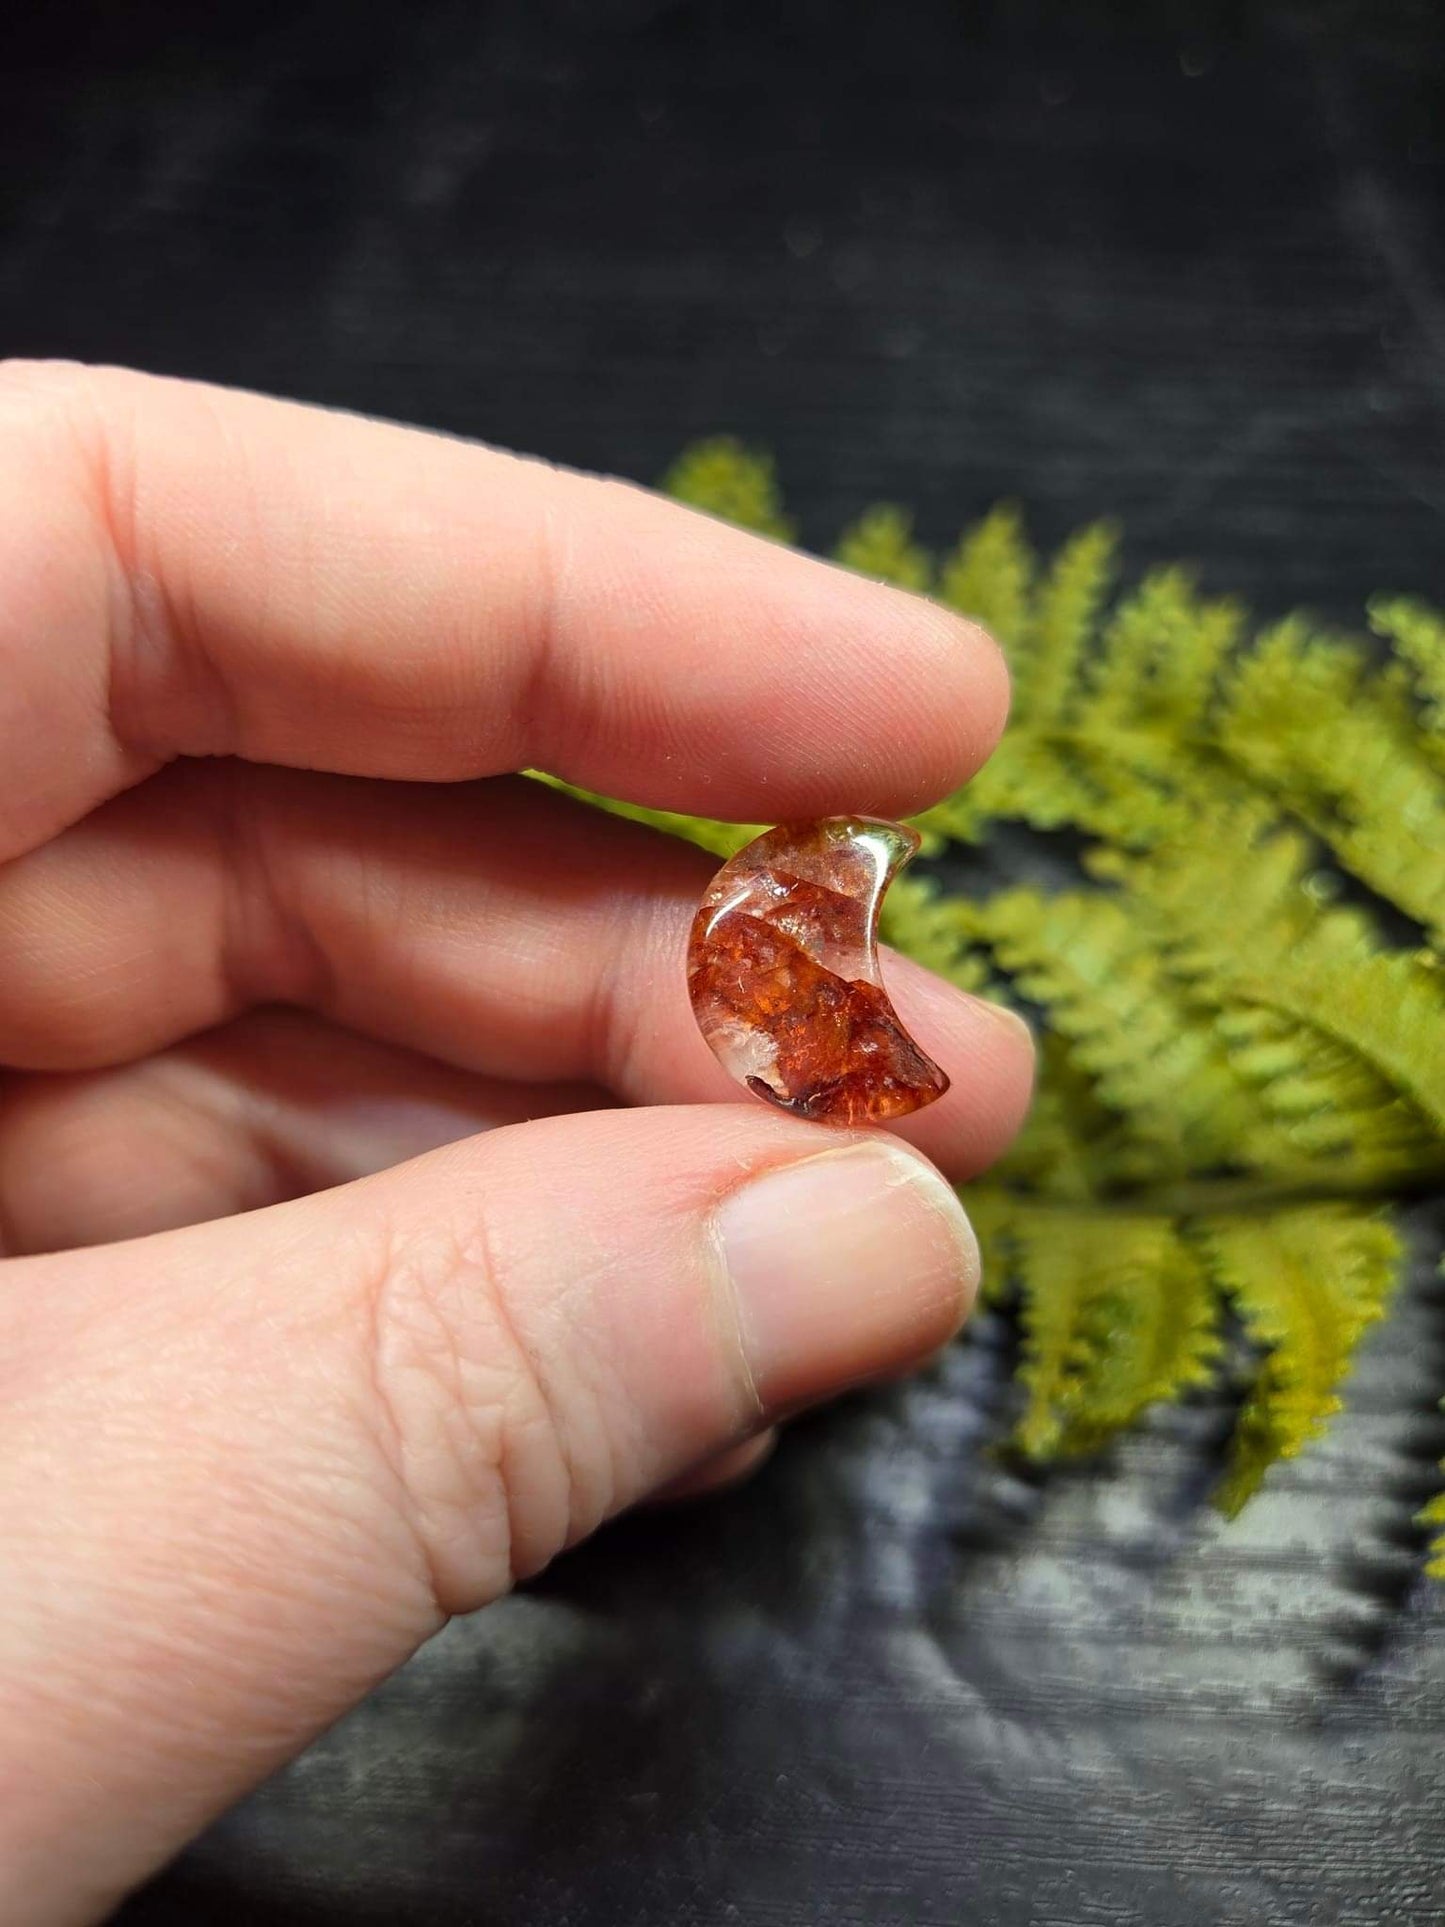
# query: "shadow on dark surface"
x,y
1179,264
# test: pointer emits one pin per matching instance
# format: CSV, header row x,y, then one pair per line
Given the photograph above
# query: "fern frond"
x,y
990,576
1131,785
1073,1149
1099,969
1305,716
1433,1515
880,543
1159,658
1418,634
1052,647
1387,1010
723,839
1117,1313
1306,1284
1343,1036
993,1214
919,920
735,483
1238,881
1226,1036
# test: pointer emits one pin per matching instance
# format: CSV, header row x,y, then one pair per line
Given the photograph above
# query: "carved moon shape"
x,y
782,969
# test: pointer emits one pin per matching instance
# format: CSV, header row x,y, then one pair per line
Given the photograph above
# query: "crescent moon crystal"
x,y
782,969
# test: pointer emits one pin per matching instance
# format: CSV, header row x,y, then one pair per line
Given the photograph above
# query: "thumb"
x,y
246,1468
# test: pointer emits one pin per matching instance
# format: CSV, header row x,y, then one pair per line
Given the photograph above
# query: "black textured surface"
x,y
1183,264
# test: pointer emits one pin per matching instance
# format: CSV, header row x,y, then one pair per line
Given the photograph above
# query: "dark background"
x,y
1177,263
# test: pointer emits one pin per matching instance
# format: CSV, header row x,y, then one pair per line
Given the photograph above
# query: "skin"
x,y
375,1222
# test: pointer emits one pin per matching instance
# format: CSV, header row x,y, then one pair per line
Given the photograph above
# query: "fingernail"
x,y
1008,1019
846,1266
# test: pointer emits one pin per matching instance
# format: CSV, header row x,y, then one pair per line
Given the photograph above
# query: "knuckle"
x,y
71,429
46,389
50,428
67,416
87,436
469,1417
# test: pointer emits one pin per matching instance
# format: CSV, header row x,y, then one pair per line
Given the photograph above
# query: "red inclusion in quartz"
x,y
784,979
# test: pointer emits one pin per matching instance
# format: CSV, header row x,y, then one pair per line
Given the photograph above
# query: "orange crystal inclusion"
x,y
782,969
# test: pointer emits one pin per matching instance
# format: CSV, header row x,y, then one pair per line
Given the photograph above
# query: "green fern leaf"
x,y
881,544
1117,1313
1053,645
990,577
734,483
1098,968
1433,1515
993,1213
1159,658
1305,717
1418,634
1306,1284
1342,1036
723,839
1237,1066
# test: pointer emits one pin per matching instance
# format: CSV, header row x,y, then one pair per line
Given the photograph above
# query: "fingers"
x,y
245,1468
192,571
500,926
270,1107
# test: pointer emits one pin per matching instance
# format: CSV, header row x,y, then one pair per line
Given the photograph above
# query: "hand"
x,y
270,924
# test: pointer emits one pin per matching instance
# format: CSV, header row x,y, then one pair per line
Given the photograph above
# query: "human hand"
x,y
259,666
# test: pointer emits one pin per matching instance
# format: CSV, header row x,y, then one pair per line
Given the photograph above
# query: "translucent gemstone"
x,y
782,967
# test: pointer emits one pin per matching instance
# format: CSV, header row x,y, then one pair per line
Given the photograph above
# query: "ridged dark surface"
x,y
1180,264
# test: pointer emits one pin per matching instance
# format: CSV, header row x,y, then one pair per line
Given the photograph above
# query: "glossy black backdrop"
x,y
1183,264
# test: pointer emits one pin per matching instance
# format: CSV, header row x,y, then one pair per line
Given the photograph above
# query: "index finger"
x,y
193,571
